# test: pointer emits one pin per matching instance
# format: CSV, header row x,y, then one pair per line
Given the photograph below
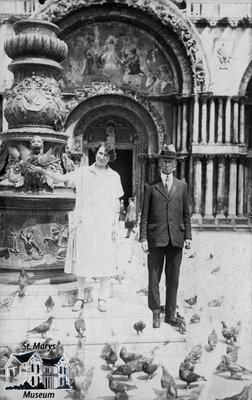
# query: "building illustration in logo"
x,y
33,371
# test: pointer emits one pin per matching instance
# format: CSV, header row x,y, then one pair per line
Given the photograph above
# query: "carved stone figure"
x,y
30,245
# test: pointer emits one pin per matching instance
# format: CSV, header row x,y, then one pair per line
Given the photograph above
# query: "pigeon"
x,y
216,302
234,369
228,335
76,383
215,270
49,303
245,394
80,325
235,330
111,358
212,339
195,353
42,328
210,257
192,301
58,351
232,352
192,255
187,375
119,387
195,319
149,369
7,301
118,278
23,280
181,323
126,369
129,357
139,326
168,382
143,291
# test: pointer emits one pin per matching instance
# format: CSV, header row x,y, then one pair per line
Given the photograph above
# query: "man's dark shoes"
x,y
173,321
156,320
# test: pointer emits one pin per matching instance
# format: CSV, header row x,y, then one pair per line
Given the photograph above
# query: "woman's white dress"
x,y
91,247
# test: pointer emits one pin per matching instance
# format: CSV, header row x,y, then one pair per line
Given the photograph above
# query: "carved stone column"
x,y
179,127
242,121
196,120
232,187
209,188
182,170
174,124
35,208
212,121
197,193
240,193
220,121
236,121
228,121
203,119
220,186
185,125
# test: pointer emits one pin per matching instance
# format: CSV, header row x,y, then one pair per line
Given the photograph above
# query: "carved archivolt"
x,y
166,12
139,111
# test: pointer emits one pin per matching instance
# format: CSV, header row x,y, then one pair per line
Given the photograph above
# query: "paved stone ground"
x,y
229,251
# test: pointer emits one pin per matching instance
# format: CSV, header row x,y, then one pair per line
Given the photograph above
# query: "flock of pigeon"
x,y
134,362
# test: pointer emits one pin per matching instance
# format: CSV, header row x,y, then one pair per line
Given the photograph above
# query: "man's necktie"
x,y
167,184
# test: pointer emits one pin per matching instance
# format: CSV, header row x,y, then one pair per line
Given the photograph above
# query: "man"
x,y
165,226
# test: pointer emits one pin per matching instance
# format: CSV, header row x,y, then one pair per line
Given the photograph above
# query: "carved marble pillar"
x,y
212,121
242,121
196,120
182,170
240,192
220,121
35,208
232,187
203,119
209,187
197,186
185,126
179,127
220,185
228,121
236,121
174,124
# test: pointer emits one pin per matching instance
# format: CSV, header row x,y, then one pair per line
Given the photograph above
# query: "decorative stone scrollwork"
x,y
35,100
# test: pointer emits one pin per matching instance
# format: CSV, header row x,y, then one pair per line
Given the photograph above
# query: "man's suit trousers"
x,y
172,257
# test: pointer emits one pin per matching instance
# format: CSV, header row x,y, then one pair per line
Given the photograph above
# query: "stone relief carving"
x,y
57,243
35,100
31,248
21,160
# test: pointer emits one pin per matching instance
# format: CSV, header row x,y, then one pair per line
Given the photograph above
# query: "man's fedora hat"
x,y
168,151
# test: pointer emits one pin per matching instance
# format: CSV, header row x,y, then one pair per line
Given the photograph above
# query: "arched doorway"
x,y
124,122
123,136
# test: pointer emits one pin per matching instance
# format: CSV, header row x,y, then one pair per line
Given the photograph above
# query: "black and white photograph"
x,y
126,199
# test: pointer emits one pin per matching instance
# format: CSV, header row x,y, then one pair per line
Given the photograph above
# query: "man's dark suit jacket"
x,y
165,216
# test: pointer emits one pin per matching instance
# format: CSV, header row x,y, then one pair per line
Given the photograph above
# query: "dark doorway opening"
x,y
122,165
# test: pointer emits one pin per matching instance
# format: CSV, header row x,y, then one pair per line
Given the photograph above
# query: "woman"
x,y
130,217
92,224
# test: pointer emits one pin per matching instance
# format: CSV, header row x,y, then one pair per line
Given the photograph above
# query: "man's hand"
x,y
187,244
145,246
